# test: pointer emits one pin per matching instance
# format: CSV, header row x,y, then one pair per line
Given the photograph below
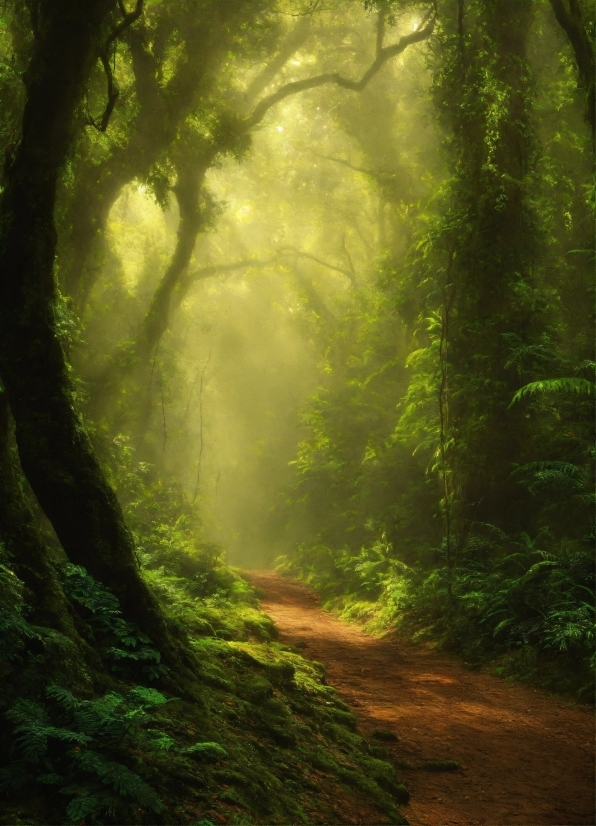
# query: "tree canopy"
x,y
306,284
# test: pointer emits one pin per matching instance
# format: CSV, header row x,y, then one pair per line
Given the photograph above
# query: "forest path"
x,y
526,757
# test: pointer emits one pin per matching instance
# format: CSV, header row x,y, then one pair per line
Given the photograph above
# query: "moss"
x,y
264,740
254,689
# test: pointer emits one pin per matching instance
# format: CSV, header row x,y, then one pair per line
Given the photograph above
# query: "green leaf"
x,y
566,385
80,807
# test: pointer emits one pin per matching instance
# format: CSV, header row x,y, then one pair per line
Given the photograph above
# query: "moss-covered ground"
x,y
264,741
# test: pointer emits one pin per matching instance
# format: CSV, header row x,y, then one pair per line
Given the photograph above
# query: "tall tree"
x,y
199,35
482,257
54,447
578,24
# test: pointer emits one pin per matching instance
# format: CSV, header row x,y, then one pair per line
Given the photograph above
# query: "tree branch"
x,y
214,269
292,43
573,25
370,172
128,18
384,53
299,254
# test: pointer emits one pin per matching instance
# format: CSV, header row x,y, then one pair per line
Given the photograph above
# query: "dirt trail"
x,y
526,758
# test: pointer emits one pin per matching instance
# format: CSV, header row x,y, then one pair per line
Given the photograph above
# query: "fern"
x,y
143,697
32,726
133,646
124,781
81,807
14,776
564,385
51,779
62,697
552,474
74,745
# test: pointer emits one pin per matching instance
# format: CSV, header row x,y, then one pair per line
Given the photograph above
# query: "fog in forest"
x,y
297,226
293,294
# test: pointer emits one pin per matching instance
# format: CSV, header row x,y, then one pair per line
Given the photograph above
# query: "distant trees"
x,y
169,113
472,471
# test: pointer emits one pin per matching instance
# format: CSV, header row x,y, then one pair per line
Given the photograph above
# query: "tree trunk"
x,y
575,27
484,92
54,448
191,176
163,107
28,553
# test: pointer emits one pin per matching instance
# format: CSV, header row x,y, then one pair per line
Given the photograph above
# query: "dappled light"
x,y
296,412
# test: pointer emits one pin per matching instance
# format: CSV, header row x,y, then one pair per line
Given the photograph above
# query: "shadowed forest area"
x,y
304,285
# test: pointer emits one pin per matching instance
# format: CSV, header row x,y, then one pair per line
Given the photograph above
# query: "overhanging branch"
x,y
383,54
105,55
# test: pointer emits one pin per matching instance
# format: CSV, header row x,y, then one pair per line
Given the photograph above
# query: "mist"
x,y
295,229
296,305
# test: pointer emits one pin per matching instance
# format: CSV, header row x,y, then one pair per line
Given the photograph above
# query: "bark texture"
x,y
571,19
491,251
54,447
23,542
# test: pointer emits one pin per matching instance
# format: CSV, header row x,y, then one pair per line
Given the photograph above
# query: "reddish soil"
x,y
526,758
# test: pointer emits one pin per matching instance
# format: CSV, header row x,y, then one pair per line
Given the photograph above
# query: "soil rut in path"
x,y
526,758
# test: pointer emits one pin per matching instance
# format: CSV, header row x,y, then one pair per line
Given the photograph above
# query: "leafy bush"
x,y
76,746
15,631
131,646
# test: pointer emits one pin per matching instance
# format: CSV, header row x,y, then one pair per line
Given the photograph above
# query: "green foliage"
x,y
261,719
528,598
207,752
570,385
77,747
15,631
168,535
132,646
357,481
421,515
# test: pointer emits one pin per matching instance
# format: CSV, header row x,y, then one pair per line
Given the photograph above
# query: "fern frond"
x,y
61,696
14,776
81,807
146,697
31,729
566,468
86,720
51,779
66,735
564,385
124,781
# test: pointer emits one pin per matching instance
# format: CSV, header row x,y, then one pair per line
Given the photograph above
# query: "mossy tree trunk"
x,y
54,447
483,91
576,25
23,541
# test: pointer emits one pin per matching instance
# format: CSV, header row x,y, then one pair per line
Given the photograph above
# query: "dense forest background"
x,y
294,283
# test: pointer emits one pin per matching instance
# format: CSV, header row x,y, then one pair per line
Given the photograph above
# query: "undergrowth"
x,y
521,606
265,740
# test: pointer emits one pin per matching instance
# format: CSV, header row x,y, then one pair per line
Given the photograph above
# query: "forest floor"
x,y
526,758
